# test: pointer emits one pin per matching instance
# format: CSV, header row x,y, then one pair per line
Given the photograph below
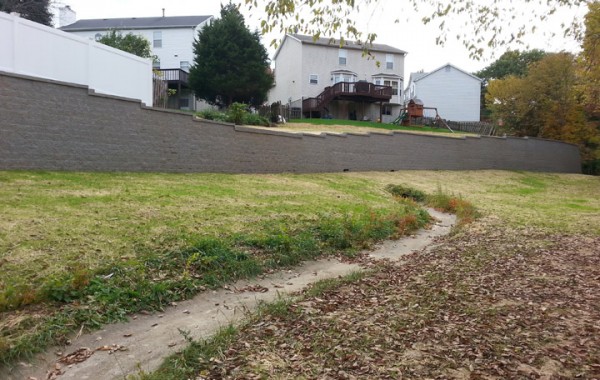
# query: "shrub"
x,y
256,119
406,192
212,115
237,112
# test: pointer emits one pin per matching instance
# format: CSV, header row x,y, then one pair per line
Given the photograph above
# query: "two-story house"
x,y
327,79
454,92
171,39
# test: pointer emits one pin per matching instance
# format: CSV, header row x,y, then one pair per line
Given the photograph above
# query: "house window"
x,y
313,79
389,61
157,39
184,103
156,63
393,84
340,77
342,57
387,109
184,65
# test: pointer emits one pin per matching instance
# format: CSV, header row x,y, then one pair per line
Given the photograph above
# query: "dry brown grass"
x,y
317,129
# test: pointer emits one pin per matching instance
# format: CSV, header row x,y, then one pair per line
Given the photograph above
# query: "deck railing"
x,y
174,75
349,89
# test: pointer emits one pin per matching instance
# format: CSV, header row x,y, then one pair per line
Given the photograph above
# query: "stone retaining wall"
x,y
56,126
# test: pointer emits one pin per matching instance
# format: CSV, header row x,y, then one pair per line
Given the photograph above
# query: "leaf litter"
x,y
489,302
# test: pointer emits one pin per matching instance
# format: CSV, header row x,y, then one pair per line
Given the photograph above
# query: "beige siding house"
x,y
320,78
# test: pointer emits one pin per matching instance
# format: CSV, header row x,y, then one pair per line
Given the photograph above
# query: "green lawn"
x,y
369,124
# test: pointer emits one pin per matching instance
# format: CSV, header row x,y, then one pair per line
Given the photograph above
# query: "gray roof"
x,y
415,77
418,76
136,23
347,44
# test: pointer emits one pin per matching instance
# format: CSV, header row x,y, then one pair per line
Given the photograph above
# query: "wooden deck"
x,y
174,75
354,91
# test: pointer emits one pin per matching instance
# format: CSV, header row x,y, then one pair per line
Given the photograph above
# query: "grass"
x,y
363,127
59,222
82,249
551,202
369,124
73,244
472,306
185,364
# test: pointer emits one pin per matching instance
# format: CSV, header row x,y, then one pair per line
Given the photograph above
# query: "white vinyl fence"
x,y
34,49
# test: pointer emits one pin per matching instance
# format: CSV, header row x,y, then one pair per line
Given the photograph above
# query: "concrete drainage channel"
x,y
146,340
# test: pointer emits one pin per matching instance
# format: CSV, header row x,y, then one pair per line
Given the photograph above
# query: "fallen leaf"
x,y
77,356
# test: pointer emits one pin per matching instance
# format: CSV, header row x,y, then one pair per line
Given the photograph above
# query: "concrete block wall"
x,y
49,125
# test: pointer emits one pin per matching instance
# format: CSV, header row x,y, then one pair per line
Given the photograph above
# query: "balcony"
x,y
174,76
354,91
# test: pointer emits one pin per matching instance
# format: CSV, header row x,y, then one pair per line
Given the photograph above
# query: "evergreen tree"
x,y
230,64
34,10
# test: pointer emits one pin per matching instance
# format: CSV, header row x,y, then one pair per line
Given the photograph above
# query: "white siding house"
x,y
171,39
454,92
347,84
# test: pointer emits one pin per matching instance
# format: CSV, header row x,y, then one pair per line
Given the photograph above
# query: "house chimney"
x,y
163,12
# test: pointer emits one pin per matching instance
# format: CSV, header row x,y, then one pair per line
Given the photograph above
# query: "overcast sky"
x,y
408,34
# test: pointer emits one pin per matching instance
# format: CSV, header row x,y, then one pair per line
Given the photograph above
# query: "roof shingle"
x,y
136,23
347,44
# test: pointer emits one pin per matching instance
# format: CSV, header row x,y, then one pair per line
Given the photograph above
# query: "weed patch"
x,y
464,210
406,192
237,114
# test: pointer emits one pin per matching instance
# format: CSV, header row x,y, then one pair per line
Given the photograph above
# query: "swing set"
x,y
413,111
